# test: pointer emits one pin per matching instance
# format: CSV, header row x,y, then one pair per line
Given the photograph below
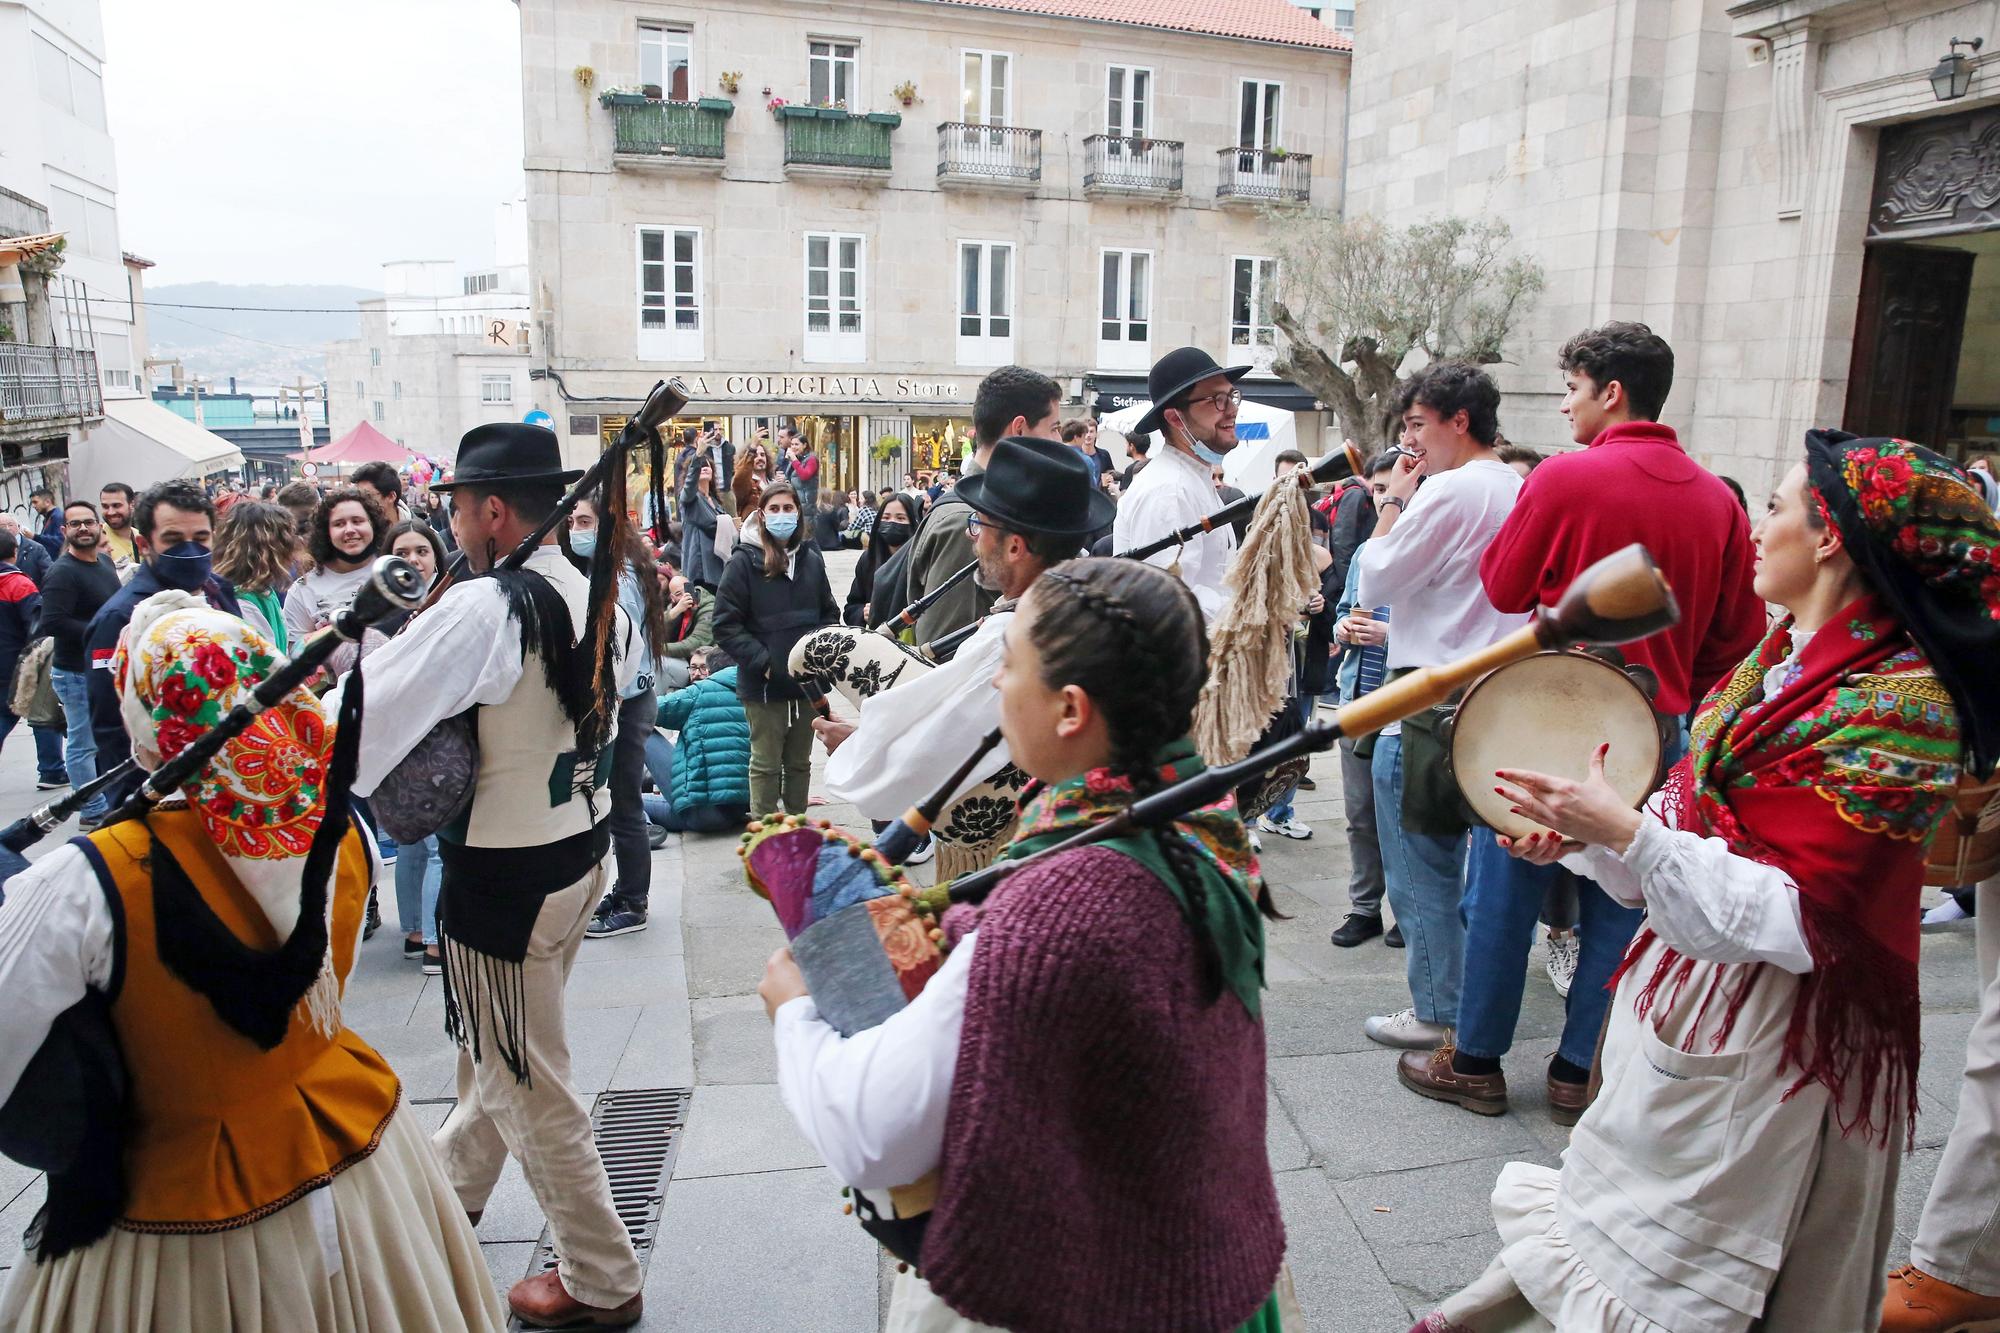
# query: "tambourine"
x,y
1548,714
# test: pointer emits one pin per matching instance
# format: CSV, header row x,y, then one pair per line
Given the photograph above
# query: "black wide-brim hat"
x,y
1032,485
1173,375
508,452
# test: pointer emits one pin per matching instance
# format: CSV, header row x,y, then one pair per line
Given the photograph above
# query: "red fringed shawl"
x,y
1839,782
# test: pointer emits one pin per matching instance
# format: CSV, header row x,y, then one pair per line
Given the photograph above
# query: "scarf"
x,y
1838,779
180,668
1203,859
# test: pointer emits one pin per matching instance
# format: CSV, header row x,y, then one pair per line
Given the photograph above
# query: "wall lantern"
x,y
1953,75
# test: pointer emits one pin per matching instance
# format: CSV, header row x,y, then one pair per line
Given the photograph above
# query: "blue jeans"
x,y
48,746
1503,899
1422,875
80,755
418,874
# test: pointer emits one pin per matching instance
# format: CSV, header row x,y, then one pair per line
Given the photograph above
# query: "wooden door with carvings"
x,y
1906,342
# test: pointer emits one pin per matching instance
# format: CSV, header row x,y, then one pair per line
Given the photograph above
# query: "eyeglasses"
x,y
81,523
1222,401
974,524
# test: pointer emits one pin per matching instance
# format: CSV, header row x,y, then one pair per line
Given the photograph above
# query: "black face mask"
x,y
894,534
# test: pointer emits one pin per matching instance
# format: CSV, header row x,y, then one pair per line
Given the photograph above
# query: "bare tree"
x,y
1357,298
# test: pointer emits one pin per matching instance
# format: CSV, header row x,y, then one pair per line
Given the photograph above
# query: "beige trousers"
x,y
543,1123
1958,1238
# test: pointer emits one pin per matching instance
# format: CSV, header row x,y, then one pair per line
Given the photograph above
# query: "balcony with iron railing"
x,y
47,388
1263,175
989,155
651,133
829,141
1120,164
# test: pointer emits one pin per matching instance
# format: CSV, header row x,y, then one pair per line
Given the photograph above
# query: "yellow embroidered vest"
x,y
223,1133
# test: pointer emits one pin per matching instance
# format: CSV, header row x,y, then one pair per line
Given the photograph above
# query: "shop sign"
x,y
857,388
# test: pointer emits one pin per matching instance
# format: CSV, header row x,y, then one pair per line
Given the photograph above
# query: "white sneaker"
x,y
1407,1031
925,851
1945,913
1563,948
1291,828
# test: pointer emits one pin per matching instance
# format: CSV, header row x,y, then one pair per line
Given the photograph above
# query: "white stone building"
x,y
442,350
843,215
1774,185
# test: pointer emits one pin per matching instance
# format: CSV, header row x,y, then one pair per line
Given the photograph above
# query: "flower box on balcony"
x,y
721,106
622,99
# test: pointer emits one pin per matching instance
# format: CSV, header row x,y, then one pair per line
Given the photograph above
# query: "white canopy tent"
x,y
141,443
1262,433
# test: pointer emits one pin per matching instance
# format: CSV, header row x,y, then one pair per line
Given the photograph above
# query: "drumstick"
x,y
1617,600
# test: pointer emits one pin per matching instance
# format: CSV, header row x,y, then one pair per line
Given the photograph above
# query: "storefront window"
x,y
837,441
939,442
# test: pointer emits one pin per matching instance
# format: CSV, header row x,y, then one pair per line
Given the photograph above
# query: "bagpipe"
x,y
432,785
867,939
393,587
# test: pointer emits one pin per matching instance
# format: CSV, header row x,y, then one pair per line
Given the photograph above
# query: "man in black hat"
x,y
1032,507
524,864
1194,410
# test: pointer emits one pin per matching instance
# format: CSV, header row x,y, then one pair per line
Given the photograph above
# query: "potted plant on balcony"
x,y
622,97
731,79
1276,154
776,106
905,92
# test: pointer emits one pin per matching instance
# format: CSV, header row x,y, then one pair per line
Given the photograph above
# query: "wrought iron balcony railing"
x,y
998,153
1119,163
647,127
48,384
1264,173
830,137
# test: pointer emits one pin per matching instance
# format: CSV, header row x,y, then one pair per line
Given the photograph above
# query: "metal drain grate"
x,y
637,1134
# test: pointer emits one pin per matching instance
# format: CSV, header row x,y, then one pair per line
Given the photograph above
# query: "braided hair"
x,y
1131,636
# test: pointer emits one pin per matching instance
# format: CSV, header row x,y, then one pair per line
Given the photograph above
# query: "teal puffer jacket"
x,y
712,758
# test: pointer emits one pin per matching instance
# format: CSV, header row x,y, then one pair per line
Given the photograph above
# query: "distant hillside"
x,y
280,332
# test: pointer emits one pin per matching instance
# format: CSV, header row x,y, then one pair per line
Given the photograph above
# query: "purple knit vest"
x,y
1104,1164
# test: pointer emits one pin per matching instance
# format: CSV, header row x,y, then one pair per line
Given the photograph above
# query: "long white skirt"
x,y
385,1248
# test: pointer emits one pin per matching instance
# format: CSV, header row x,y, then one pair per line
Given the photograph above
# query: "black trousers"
x,y
629,850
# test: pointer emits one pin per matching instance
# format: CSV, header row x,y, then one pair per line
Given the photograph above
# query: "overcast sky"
x,y
311,140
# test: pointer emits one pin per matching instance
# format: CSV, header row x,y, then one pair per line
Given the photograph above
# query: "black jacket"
x,y
72,594
33,560
100,641
862,591
759,619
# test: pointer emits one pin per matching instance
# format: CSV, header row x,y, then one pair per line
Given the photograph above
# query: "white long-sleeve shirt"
x,y
911,737
1172,491
1425,569
465,650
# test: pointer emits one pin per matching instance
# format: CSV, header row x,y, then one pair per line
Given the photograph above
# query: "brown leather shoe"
x,y
1916,1302
1429,1074
1567,1101
542,1302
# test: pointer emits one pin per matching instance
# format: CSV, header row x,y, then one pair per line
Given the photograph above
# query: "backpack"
x,y
33,691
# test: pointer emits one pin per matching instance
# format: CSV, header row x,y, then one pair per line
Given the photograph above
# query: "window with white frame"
x,y
985,303
378,409
984,91
1257,120
1128,102
666,60
496,389
396,389
835,301
832,72
360,389
1125,309
1253,281
52,74
670,323
374,356
87,94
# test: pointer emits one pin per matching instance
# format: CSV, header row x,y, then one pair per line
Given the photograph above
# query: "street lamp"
x,y
1953,75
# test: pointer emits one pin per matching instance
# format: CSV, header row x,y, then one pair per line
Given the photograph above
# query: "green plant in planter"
x,y
905,92
886,446
1276,154
730,81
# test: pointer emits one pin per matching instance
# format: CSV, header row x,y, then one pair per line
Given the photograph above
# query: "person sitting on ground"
x,y
1149,946
860,522
690,627
830,521
346,532
704,772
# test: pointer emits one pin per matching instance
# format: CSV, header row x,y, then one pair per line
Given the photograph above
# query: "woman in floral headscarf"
x,y
1738,1166
257,1174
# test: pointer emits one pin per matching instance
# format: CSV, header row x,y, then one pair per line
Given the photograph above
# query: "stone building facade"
x,y
1774,185
842,216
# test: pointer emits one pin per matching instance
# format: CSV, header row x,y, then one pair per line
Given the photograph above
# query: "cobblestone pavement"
x,y
1384,1193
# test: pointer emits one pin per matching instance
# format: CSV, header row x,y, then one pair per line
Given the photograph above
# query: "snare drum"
x,y
1548,714
1967,847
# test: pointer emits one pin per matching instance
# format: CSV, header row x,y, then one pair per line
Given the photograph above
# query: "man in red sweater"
x,y
1632,482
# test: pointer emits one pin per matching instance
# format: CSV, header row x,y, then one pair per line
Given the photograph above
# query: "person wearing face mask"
x,y
1194,409
173,529
893,525
773,594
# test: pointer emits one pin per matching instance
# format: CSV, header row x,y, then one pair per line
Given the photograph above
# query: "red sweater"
x,y
1636,484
